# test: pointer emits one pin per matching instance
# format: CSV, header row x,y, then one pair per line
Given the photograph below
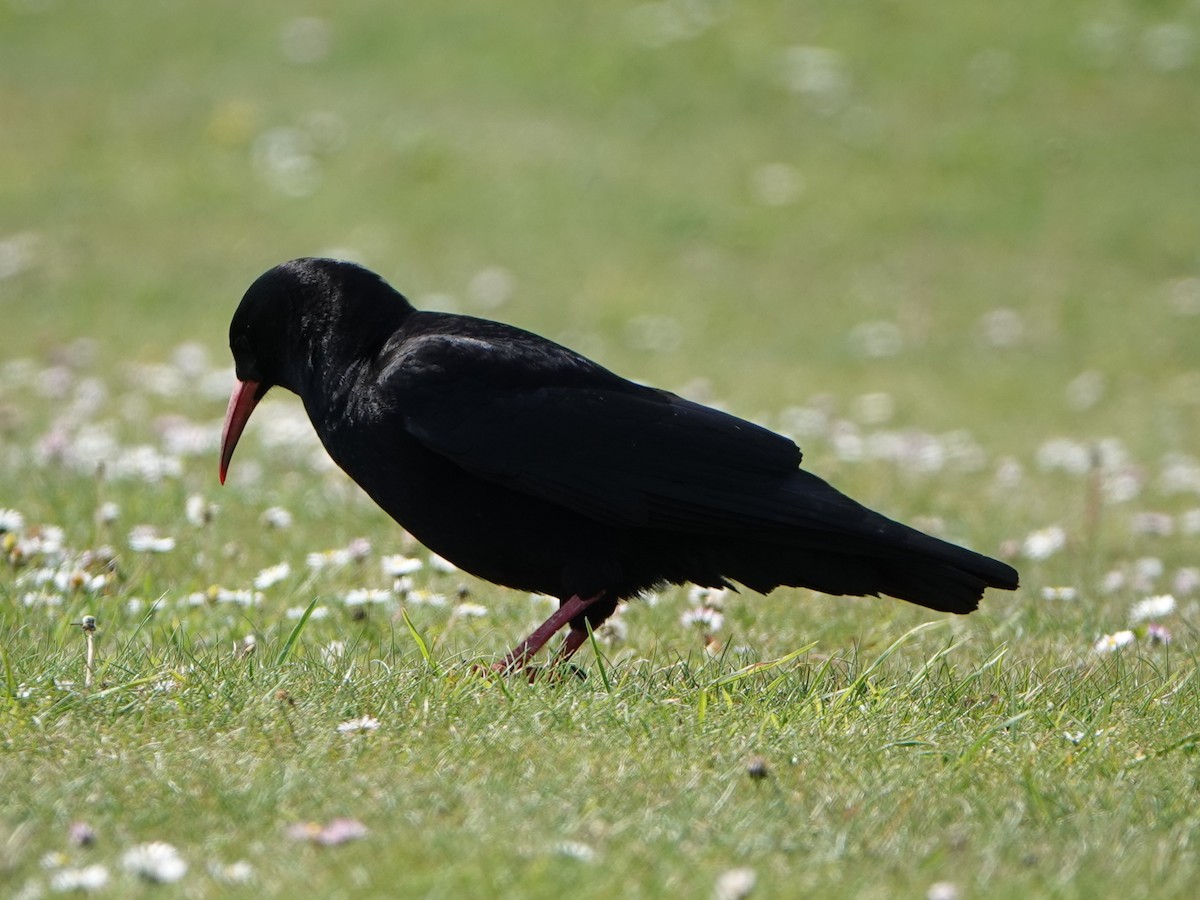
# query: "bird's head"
x,y
295,324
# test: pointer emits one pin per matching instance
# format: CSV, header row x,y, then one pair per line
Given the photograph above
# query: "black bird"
x,y
533,467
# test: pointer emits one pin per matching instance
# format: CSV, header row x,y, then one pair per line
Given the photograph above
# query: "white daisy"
x,y
364,596
11,520
713,598
398,564
1044,542
735,884
88,878
943,890
199,511
156,861
272,575
241,598
703,617
576,850
107,512
425,598
356,550
473,610
1152,608
1110,642
1059,593
146,539
277,517
351,726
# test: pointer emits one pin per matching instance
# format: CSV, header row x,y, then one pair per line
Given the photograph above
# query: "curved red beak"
x,y
242,401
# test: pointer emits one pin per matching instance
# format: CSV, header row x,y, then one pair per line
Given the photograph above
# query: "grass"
x,y
881,777
986,214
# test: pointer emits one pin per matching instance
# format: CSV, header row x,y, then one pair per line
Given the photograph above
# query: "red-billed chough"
x,y
533,467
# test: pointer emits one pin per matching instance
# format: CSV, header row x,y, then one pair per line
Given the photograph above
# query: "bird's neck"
x,y
339,348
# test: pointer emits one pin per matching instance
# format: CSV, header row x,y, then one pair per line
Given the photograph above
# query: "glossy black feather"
x,y
534,467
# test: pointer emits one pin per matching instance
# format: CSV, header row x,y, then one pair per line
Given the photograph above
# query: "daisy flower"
x,y
146,539
1110,642
352,726
398,564
277,517
1044,542
199,511
157,861
11,520
704,617
88,878
272,575
472,610
1059,593
1152,608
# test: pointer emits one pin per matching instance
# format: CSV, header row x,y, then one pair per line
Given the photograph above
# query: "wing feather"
x,y
582,437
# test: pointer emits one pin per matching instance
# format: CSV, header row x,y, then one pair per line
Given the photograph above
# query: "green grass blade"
x,y
290,644
976,745
421,643
599,659
10,677
754,668
845,695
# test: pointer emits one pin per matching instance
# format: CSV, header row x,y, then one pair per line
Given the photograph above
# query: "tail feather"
x,y
855,550
803,532
894,560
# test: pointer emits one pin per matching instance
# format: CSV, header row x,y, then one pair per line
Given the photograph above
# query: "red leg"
x,y
524,651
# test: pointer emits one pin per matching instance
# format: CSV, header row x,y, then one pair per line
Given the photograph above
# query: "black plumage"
x,y
533,467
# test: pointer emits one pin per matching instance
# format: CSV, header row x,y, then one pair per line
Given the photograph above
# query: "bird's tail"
x,y
842,547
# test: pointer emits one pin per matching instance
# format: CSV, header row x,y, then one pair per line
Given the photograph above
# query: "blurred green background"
x,y
871,224
679,188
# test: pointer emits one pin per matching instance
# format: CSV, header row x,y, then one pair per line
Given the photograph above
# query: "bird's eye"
x,y
245,360
239,343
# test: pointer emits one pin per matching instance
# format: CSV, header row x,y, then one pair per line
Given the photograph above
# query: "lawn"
x,y
953,250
